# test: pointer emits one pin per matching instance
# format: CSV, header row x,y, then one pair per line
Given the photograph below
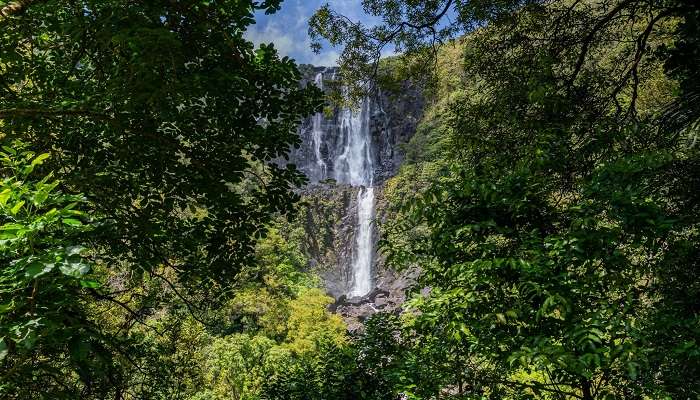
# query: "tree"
x,y
560,237
416,29
173,127
44,276
165,116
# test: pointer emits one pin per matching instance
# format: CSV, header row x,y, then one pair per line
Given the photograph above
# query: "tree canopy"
x,y
558,234
168,127
548,203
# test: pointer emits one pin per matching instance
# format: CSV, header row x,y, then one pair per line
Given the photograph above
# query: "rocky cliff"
x,y
393,120
343,153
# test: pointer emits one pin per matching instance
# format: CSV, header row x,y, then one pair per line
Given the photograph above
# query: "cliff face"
x,y
345,153
392,121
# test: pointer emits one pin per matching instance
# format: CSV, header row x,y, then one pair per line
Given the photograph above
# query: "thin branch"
x,y
591,35
641,44
382,41
134,314
435,19
190,307
37,112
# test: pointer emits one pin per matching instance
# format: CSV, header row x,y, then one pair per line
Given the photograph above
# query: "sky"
x,y
288,29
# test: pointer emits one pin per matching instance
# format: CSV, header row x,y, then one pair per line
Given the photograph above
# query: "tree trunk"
x,y
586,389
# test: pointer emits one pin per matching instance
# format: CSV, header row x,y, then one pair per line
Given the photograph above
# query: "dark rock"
x,y
393,120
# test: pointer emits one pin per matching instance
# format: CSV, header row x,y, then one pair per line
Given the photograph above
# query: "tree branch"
x,y
434,20
36,112
641,44
591,35
14,8
135,315
190,307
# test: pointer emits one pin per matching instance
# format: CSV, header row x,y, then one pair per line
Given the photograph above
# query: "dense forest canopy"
x,y
164,121
548,199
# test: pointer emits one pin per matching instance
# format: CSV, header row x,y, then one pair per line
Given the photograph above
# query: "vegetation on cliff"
x,y
555,226
549,199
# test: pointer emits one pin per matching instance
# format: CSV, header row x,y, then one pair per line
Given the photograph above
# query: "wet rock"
x,y
329,214
389,296
393,120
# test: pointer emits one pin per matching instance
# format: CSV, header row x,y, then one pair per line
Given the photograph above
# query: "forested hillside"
x,y
506,208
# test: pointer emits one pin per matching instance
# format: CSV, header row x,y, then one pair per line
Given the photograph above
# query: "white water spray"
x,y
317,135
364,251
354,166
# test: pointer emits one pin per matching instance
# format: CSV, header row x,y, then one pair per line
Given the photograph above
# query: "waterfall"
x,y
317,136
347,154
364,251
354,163
354,166
340,147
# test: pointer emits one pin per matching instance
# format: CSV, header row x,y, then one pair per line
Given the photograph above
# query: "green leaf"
x,y
75,250
27,170
7,307
17,207
90,284
632,370
38,160
3,349
40,197
37,269
12,227
10,150
74,269
4,196
501,318
72,222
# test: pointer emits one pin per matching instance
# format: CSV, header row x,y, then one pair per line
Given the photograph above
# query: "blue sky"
x,y
288,29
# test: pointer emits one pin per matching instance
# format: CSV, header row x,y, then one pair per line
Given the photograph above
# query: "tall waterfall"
x,y
317,137
358,149
340,147
354,166
364,250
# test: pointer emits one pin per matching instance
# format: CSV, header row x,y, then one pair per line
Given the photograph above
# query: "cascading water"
x,y
356,148
354,166
341,148
317,137
364,251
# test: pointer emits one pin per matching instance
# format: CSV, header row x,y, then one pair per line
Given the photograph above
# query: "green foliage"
x,y
413,28
171,124
549,199
557,245
682,114
273,323
166,118
286,263
46,271
292,339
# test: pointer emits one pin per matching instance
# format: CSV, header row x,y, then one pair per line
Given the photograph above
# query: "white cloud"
x,y
290,37
349,8
285,43
327,58
288,30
